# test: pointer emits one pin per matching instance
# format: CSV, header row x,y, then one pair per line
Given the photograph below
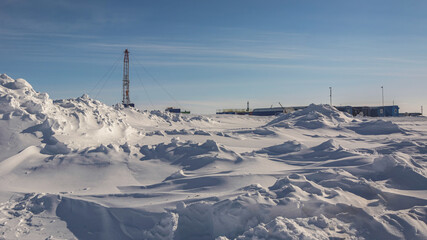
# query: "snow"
x,y
77,168
312,117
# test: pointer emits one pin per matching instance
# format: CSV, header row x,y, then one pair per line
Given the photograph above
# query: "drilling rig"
x,y
126,99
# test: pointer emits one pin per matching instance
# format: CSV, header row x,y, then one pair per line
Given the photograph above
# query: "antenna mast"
x,y
382,92
126,100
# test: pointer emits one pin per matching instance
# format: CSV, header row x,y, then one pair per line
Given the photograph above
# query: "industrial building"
x,y
375,111
274,111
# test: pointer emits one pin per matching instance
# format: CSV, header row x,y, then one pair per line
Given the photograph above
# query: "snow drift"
x,y
312,117
191,156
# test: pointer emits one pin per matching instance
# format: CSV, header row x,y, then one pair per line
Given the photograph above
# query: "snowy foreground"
x,y
77,168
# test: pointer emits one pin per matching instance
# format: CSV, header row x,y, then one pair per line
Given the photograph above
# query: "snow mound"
x,y
400,170
174,117
18,98
22,110
84,113
284,148
177,175
329,145
200,118
406,146
85,119
80,118
299,228
14,84
328,204
377,127
202,132
29,213
287,210
167,116
88,220
294,153
312,117
326,151
189,155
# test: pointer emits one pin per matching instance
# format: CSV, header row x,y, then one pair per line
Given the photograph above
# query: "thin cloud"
x,y
257,52
401,60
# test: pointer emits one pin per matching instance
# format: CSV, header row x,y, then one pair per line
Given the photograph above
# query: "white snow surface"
x,y
312,117
79,169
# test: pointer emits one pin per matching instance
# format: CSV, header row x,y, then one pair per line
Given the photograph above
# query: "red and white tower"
x,y
126,100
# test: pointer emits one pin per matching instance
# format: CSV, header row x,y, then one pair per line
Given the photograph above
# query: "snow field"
x,y
77,168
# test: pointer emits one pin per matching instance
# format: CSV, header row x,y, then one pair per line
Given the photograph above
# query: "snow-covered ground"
x,y
77,168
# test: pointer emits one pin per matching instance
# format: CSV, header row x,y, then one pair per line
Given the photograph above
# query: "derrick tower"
x,y
126,100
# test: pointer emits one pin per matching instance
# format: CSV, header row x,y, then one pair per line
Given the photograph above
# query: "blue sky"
x,y
209,55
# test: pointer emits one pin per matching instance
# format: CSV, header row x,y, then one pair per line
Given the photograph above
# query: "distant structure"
x,y
367,111
410,114
126,99
176,110
371,111
239,111
271,111
259,111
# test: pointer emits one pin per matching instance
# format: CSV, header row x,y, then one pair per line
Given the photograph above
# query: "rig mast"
x,y
126,100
